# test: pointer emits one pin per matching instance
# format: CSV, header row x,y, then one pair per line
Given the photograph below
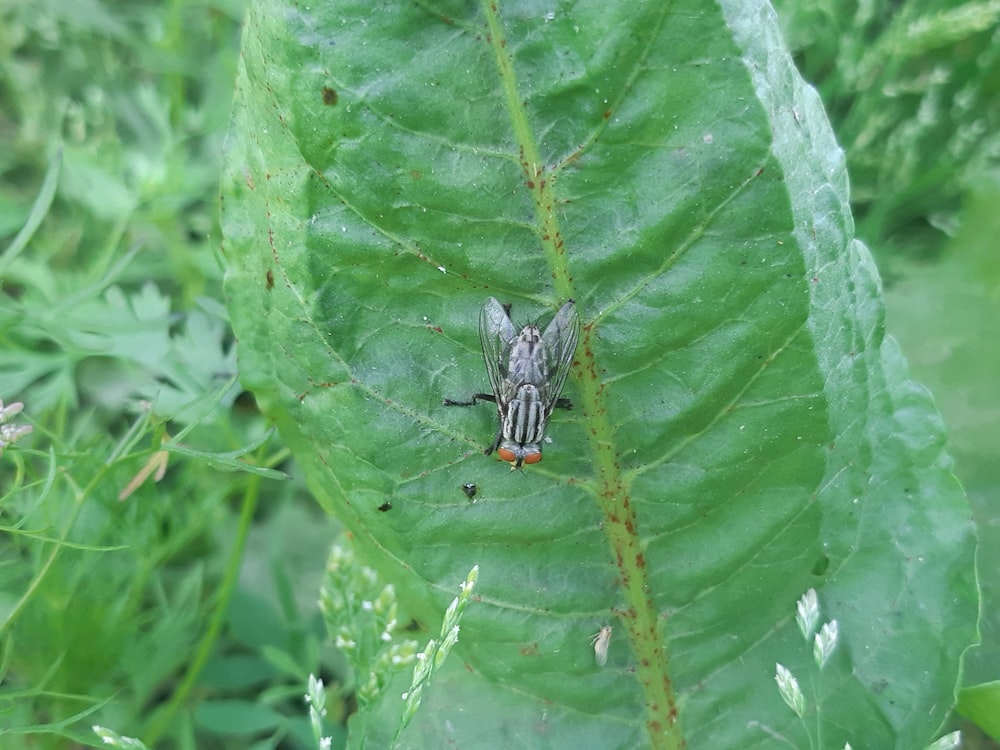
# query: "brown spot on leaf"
x,y
329,96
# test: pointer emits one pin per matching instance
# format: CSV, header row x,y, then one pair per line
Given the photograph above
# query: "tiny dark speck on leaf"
x,y
385,506
470,490
820,566
329,96
270,279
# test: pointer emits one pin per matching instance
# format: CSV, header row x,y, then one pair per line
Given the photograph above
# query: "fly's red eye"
x,y
533,458
506,455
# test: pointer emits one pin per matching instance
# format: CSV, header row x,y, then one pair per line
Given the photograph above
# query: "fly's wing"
x,y
497,335
559,341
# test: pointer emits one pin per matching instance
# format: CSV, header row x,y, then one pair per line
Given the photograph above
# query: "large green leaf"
x,y
742,431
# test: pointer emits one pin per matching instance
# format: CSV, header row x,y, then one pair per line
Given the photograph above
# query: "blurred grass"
x,y
155,614
114,336
911,89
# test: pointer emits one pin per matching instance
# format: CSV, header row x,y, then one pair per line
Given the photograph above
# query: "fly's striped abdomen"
x,y
524,421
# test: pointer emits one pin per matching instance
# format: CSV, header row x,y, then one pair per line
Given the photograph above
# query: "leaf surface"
x,y
741,432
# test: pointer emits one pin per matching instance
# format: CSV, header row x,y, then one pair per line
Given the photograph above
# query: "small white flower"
x,y
808,612
788,686
344,643
10,433
950,741
10,410
825,642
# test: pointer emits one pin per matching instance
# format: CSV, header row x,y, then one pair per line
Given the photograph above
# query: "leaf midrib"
x,y
621,527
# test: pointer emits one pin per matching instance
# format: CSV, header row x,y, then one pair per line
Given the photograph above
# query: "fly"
x,y
527,371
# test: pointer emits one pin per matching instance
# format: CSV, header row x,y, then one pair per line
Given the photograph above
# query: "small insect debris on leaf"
x,y
385,506
470,490
601,640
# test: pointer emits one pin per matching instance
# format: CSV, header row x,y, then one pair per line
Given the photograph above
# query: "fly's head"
x,y
529,337
518,454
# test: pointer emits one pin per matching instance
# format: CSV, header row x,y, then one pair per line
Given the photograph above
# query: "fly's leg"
x,y
496,441
563,403
476,398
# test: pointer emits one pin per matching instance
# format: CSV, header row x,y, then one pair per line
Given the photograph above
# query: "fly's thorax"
x,y
523,420
527,362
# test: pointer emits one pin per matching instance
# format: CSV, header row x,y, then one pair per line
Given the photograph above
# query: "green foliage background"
x,y
114,337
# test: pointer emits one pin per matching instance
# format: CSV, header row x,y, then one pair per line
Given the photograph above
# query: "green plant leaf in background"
x,y
742,430
944,315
